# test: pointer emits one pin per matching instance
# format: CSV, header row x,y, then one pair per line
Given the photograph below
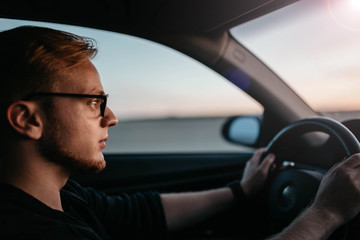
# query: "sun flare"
x,y
354,3
345,13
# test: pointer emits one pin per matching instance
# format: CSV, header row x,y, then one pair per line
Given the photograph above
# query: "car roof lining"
x,y
144,16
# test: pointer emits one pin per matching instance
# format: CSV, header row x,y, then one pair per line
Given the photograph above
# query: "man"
x,y
56,122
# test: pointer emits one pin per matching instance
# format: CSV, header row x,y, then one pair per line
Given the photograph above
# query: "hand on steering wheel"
x,y
256,172
293,189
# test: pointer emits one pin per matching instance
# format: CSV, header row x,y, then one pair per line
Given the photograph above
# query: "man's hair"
x,y
33,58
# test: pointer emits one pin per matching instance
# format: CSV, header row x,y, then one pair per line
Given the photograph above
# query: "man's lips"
x,y
102,142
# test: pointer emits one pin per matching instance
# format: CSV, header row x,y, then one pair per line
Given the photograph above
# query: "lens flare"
x,y
355,3
345,13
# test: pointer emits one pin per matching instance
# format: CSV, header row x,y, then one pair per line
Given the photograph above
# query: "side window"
x,y
165,101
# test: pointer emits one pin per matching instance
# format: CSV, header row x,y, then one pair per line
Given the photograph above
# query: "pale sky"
x,y
317,55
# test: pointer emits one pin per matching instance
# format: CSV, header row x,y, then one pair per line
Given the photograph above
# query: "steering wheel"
x,y
292,189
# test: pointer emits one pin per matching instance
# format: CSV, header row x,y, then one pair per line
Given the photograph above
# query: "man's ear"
x,y
25,118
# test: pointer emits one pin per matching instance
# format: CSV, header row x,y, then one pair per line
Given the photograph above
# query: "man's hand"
x,y
256,172
336,203
339,191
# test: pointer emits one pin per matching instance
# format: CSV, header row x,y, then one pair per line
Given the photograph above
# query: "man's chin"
x,y
100,166
94,166
101,163
83,166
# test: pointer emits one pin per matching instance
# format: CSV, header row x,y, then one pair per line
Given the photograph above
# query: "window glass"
x,y
164,100
314,46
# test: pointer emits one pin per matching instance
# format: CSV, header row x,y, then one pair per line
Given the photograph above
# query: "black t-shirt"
x,y
87,215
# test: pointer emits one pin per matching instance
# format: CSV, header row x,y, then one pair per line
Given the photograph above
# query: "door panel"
x,y
166,172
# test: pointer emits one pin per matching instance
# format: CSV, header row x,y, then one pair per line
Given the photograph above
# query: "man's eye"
x,y
95,102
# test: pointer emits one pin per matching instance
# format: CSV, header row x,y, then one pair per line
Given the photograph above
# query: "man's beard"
x,y
54,151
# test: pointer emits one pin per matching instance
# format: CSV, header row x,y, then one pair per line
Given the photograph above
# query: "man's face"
x,y
74,132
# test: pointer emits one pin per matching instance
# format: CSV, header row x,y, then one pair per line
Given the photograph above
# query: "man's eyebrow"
x,y
97,91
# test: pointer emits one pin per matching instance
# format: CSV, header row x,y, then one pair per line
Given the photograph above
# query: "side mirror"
x,y
243,130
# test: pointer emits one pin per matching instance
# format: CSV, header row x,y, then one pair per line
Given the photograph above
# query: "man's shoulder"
x,y
24,217
37,227
25,226
18,204
12,198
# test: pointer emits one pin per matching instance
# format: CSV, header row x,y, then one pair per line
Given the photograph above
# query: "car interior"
x,y
306,142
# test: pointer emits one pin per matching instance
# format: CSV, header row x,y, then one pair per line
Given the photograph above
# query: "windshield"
x,y
314,46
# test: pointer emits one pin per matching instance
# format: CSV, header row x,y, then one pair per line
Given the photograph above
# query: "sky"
x,y
318,55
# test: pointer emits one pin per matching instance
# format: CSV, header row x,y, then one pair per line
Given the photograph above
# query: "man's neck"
x,y
46,192
40,179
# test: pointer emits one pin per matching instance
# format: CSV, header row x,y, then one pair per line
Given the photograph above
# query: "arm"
x,y
336,203
185,209
313,224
